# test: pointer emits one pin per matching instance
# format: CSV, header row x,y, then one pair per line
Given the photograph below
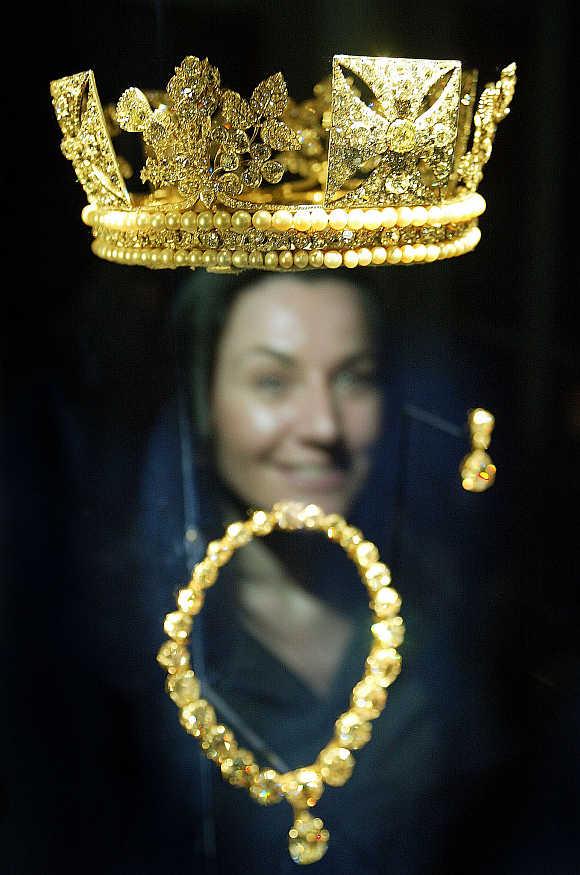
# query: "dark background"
x,y
89,341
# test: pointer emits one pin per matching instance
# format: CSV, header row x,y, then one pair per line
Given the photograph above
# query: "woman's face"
x,y
295,406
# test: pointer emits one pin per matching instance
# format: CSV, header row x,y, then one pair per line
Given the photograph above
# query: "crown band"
x,y
384,181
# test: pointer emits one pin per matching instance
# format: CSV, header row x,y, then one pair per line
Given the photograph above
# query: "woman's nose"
x,y
319,420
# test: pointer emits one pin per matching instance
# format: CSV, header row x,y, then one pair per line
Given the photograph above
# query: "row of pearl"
x,y
282,220
299,260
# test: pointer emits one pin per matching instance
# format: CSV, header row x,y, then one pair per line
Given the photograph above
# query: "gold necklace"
x,y
301,787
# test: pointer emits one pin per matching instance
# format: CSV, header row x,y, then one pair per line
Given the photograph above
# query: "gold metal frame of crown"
x,y
378,167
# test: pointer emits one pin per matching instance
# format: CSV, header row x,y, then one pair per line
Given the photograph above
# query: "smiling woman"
x,y
289,399
288,395
295,406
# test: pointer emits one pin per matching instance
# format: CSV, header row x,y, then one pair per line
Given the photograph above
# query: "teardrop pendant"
x,y
308,838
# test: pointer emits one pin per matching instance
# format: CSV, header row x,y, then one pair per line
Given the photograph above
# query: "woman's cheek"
x,y
362,420
257,426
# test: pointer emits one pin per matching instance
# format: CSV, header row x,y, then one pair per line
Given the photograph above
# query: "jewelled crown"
x,y
379,166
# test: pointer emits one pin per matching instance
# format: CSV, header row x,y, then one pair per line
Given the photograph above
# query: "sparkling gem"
x,y
229,160
219,552
197,716
352,731
376,576
262,523
336,765
368,698
389,633
172,656
288,514
266,788
177,625
260,152
238,534
308,839
366,554
477,471
218,743
303,787
386,602
204,573
183,688
240,769
190,600
350,538
252,175
401,136
384,663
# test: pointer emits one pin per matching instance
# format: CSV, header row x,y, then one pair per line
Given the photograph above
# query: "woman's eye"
x,y
270,384
356,379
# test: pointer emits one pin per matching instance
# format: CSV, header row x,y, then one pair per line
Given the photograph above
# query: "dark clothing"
x,y
113,782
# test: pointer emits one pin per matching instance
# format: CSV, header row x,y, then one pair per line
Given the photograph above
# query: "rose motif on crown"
x,y
208,143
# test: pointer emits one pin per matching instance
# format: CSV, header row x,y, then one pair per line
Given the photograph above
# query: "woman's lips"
x,y
313,477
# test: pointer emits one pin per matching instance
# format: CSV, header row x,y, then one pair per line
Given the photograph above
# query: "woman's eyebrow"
x,y
353,358
282,357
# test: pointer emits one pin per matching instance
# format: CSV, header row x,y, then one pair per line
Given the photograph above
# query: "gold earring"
x,y
477,470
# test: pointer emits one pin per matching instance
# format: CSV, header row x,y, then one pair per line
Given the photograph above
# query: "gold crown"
x,y
376,168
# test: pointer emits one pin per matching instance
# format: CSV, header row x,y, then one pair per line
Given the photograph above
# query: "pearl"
x,y
142,220
319,219
301,259
181,258
205,220
379,255
389,217
394,254
365,257
373,220
404,217
224,258
222,220
172,220
316,258
338,220
240,258
432,252
408,254
144,256
332,259
479,204
434,215
301,220
196,258
255,259
271,258
241,221
88,214
420,251
167,258
188,221
454,212
157,220
209,258
419,216
262,220
356,220
282,220
286,260
350,258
